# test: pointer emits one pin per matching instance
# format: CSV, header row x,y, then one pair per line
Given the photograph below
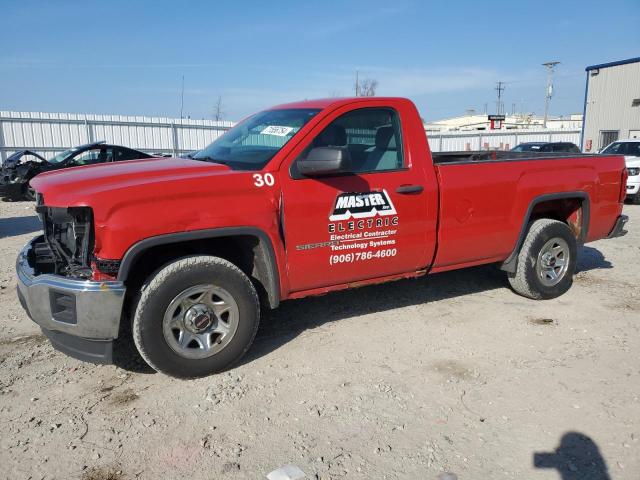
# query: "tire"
x,y
181,311
635,199
537,259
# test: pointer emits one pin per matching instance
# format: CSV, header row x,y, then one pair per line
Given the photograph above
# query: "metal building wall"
x,y
608,106
49,133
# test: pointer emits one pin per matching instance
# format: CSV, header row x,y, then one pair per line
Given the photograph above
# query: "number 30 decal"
x,y
260,180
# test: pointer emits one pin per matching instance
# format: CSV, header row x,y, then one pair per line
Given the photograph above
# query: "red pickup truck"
x,y
301,199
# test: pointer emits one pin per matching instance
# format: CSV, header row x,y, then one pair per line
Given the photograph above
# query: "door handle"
x,y
410,189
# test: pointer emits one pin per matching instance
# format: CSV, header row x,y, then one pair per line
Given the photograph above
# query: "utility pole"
x,y
357,85
547,98
499,88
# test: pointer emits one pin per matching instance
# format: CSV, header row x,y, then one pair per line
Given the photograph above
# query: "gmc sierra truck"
x,y
301,199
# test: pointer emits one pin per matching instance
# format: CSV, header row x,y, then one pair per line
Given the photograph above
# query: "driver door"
x,y
369,223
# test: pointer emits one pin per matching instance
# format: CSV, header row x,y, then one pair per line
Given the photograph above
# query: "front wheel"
x,y
546,262
195,316
635,199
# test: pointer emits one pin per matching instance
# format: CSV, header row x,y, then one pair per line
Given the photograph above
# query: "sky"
x,y
129,57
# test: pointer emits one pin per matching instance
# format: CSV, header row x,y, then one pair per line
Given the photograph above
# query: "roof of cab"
x,y
330,102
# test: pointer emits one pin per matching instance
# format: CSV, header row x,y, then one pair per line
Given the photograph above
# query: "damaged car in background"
x,y
23,165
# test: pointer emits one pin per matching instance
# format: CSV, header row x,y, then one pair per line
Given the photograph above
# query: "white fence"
x,y
498,140
49,133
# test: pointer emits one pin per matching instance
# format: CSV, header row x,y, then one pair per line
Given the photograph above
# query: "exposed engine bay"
x,y
67,244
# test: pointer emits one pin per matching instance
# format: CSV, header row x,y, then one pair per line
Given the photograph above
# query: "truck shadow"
x,y
591,258
577,457
14,226
292,318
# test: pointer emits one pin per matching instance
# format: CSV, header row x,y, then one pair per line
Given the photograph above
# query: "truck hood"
x,y
139,199
78,185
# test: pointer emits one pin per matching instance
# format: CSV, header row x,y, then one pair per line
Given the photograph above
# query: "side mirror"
x,y
324,161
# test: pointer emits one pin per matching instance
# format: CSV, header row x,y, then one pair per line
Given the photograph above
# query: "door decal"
x,y
354,232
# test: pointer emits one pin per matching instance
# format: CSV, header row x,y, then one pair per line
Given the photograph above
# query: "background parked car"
x,y
22,166
547,147
631,150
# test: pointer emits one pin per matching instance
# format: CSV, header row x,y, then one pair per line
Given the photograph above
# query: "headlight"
x,y
633,171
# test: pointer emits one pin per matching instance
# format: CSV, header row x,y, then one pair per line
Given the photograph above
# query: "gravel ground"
x,y
451,373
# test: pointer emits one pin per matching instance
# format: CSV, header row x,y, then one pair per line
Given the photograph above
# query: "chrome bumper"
x,y
67,308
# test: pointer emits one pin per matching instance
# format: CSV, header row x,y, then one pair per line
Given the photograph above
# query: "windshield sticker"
x,y
277,131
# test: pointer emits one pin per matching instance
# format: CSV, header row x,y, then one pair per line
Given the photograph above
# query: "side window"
x,y
633,149
372,136
88,157
127,154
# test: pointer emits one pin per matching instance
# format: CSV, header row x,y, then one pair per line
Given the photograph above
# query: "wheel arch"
x,y
572,208
253,244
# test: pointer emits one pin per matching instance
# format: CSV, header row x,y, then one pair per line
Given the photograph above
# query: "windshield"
x,y
253,142
62,156
614,148
631,149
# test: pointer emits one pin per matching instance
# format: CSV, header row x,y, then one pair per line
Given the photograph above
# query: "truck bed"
x,y
500,155
483,201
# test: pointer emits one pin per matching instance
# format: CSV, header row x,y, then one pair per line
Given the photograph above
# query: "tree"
x,y
366,87
218,112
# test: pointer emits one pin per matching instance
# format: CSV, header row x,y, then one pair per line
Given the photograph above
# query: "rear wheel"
x,y
195,316
546,262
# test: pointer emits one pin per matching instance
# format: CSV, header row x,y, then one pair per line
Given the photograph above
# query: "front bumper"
x,y
80,317
618,228
633,188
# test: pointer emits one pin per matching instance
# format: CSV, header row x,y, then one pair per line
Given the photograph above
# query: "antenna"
x,y
547,98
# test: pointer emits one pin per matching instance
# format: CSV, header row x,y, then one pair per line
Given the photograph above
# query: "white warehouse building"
x,y
612,104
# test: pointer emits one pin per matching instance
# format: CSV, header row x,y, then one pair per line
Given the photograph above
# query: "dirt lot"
x,y
452,373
